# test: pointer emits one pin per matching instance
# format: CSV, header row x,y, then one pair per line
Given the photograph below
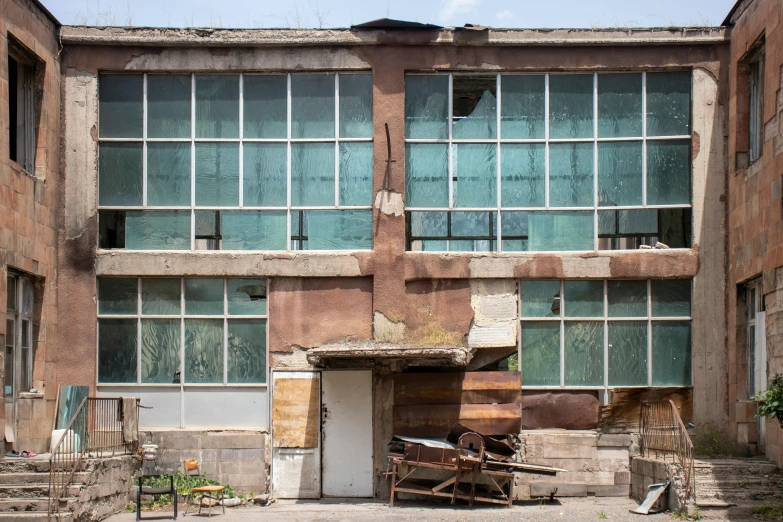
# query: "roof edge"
x,y
45,11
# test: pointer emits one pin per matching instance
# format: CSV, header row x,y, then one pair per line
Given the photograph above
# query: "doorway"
x,y
18,362
757,375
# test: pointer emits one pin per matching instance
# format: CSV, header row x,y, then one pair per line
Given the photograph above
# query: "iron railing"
x,y
96,429
663,434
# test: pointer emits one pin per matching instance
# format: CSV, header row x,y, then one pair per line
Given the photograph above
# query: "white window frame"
x,y
16,339
754,301
498,140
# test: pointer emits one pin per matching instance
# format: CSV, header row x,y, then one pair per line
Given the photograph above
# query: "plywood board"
x,y
296,413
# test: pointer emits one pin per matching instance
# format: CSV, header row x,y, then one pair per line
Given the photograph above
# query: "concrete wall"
x,y
646,471
107,488
29,210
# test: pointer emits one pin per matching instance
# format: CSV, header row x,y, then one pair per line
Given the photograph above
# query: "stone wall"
x,y
107,489
646,471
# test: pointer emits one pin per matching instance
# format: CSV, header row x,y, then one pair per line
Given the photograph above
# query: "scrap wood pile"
x,y
481,468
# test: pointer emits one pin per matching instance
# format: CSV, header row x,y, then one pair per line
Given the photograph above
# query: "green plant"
x,y
684,515
602,515
711,441
770,402
769,512
184,483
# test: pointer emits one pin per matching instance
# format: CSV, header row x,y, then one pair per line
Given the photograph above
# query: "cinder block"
x,y
570,451
618,440
622,477
232,440
546,489
609,491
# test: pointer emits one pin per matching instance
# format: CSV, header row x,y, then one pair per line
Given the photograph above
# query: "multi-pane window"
x,y
182,331
21,106
548,162
756,106
605,333
755,336
235,161
18,364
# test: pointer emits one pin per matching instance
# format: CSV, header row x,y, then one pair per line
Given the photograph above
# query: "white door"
x,y
296,435
347,433
760,368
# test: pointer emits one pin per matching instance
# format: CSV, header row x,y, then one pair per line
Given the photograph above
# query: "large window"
x,y
21,106
605,333
18,376
235,162
756,105
548,162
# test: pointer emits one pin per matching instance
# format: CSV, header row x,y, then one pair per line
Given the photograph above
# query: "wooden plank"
x,y
296,413
462,381
621,415
436,421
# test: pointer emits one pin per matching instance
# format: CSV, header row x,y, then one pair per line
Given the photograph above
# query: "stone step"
x,y
37,478
33,505
774,481
35,516
31,491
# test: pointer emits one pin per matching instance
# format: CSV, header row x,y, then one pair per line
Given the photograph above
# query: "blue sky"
x,y
343,13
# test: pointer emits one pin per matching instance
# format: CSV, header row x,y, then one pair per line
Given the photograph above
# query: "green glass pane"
x,y
429,224
619,105
203,296
668,172
356,106
522,167
203,351
168,174
217,106
522,111
264,174
560,231
339,230
168,105
628,353
118,295
157,230
571,175
584,353
627,298
541,353
160,343
312,174
160,296
540,298
247,351
474,111
265,106
434,246
619,173
253,230
570,106
475,166
246,296
668,103
120,174
515,231
117,350
471,224
120,105
426,175
427,106
312,106
217,174
671,342
355,174
671,297
584,298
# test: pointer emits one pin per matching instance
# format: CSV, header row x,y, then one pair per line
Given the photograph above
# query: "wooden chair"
x,y
191,469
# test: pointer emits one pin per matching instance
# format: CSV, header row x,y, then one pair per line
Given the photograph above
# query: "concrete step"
x,y
36,516
33,465
37,478
25,491
33,505
733,467
725,512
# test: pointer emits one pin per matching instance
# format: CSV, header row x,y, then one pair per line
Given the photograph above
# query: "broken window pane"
x,y
619,105
117,295
339,230
671,363
207,230
570,106
541,353
160,342
426,106
668,172
523,174
203,296
619,173
204,350
426,175
312,106
160,296
246,351
356,106
584,353
117,351
584,298
247,296
264,174
120,105
474,109
522,106
217,106
631,229
571,175
627,353
627,298
312,174
120,174
355,173
540,298
475,169
265,106
668,103
671,297
560,231
111,228
168,105
157,230
253,230
217,174
168,174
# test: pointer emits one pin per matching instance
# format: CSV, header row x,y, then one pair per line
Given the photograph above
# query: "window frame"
x,y
756,64
754,300
498,209
18,316
24,98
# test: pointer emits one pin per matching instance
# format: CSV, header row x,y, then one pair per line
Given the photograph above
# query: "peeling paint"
x,y
390,202
386,330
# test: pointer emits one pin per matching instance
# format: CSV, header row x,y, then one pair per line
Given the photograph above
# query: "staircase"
x,y
732,487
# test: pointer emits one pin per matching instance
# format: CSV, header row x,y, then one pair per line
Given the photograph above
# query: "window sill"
x,y
31,395
19,169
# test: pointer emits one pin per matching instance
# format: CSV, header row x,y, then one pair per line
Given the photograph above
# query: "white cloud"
x,y
504,15
451,8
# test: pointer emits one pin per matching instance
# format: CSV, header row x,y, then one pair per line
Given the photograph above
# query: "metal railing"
x,y
663,434
96,429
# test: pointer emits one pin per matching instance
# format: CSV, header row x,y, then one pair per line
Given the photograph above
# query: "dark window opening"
x,y
756,107
111,228
21,108
644,228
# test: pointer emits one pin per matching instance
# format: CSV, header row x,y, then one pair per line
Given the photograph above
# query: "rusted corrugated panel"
x,y
621,415
296,413
430,421
569,410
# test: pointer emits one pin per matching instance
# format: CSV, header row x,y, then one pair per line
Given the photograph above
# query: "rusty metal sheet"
x,y
621,415
430,421
457,388
569,410
296,413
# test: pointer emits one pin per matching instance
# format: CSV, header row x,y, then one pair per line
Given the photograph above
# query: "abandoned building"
x,y
294,244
